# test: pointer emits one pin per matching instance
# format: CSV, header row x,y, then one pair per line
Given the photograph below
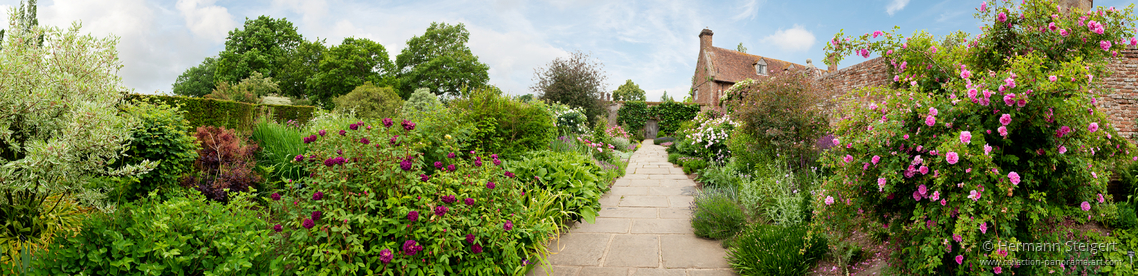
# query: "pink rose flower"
x,y
1052,26
987,149
1092,127
997,270
933,111
1062,149
916,196
930,120
1003,131
1002,17
1010,99
1105,45
1005,119
936,195
964,74
829,200
1086,206
881,183
957,237
877,33
973,195
876,159
1052,78
924,170
984,227
1101,199
972,93
965,137
952,157
848,158
1014,178
959,259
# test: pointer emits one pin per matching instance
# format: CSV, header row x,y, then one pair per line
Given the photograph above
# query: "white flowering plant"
x,y
708,137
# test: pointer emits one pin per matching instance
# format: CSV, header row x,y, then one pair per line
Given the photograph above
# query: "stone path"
x,y
643,228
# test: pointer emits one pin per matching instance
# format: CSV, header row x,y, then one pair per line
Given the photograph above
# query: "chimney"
x,y
705,38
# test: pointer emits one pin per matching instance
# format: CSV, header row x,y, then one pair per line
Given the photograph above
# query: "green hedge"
x,y
229,114
633,114
671,114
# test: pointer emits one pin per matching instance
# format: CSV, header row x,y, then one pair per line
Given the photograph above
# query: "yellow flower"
x,y
448,137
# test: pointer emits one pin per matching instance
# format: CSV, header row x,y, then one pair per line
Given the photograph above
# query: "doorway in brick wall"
x,y
650,129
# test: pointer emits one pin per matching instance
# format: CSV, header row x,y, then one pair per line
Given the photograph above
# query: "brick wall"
x,y
1121,105
874,72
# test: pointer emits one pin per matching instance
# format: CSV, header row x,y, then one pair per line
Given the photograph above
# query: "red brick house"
x,y
717,69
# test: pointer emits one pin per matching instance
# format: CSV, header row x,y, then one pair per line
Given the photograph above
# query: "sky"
x,y
653,43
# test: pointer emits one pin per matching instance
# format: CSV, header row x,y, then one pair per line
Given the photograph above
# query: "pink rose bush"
x,y
1046,138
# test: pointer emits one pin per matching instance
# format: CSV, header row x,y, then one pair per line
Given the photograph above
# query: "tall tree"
x,y
348,65
302,65
262,45
439,60
198,80
628,91
576,81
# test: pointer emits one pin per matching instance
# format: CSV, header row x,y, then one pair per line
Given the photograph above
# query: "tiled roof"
x,y
734,66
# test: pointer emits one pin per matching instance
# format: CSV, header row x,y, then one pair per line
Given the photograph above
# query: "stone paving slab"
x,y
604,225
644,201
643,228
634,251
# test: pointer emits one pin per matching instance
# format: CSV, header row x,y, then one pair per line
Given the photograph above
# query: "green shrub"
x,y
370,101
225,164
1033,156
782,115
692,164
232,115
503,125
279,145
162,136
746,152
422,103
568,121
720,176
674,158
766,249
660,140
575,178
633,114
716,215
774,193
380,213
1126,217
190,236
671,114
621,144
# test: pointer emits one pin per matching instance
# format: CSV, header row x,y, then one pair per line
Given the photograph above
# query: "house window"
x,y
696,93
761,67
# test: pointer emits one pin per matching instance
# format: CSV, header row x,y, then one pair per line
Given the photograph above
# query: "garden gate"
x,y
650,129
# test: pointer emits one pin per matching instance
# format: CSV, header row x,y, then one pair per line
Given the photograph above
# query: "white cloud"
x,y
748,10
512,56
4,9
895,6
206,20
792,40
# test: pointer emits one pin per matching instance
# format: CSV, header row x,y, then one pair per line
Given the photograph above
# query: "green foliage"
x,y
707,137
569,120
280,144
720,176
576,81
746,151
628,91
766,249
422,103
249,90
233,115
692,164
162,136
225,164
776,194
671,114
300,66
371,102
634,114
262,45
1016,174
173,237
503,125
574,178
621,144
781,114
440,61
346,67
59,125
716,215
1126,217
366,197
198,80
60,217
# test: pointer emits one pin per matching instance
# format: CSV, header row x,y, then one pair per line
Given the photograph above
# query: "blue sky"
x,y
654,43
